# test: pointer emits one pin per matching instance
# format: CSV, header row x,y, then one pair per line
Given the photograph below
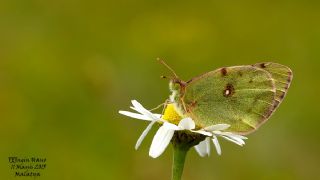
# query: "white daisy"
x,y
165,133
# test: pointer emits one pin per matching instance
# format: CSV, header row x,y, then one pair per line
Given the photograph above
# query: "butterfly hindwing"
x,y
242,96
282,75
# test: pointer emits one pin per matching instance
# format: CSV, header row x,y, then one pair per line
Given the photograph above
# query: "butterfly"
x,y
242,96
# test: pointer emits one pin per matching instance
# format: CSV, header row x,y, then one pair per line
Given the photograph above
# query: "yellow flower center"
x,y
171,115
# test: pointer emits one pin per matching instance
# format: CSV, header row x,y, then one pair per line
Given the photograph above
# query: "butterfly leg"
x,y
184,105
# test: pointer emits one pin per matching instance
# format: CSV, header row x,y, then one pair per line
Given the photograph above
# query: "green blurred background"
x,y
67,67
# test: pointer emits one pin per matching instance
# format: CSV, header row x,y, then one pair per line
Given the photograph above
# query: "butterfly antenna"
x,y
167,66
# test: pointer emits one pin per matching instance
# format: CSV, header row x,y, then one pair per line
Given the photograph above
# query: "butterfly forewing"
x,y
242,96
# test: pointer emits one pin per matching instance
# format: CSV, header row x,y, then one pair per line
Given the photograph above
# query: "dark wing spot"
x,y
193,103
269,111
262,65
223,71
251,81
228,91
275,104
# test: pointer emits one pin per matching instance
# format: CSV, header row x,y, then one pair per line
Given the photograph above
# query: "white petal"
x,y
241,137
141,111
203,132
217,127
234,135
217,132
201,148
138,107
161,140
235,140
135,115
143,135
158,115
208,145
216,144
187,123
171,126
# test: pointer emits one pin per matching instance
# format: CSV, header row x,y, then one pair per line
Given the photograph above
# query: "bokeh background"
x,y
67,67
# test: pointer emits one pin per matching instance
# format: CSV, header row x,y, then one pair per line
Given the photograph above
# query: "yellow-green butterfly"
x,y
241,96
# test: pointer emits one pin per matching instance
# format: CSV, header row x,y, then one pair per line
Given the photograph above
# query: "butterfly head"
x,y
176,84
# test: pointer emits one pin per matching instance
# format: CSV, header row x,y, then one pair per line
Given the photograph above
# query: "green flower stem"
x,y
182,141
179,156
